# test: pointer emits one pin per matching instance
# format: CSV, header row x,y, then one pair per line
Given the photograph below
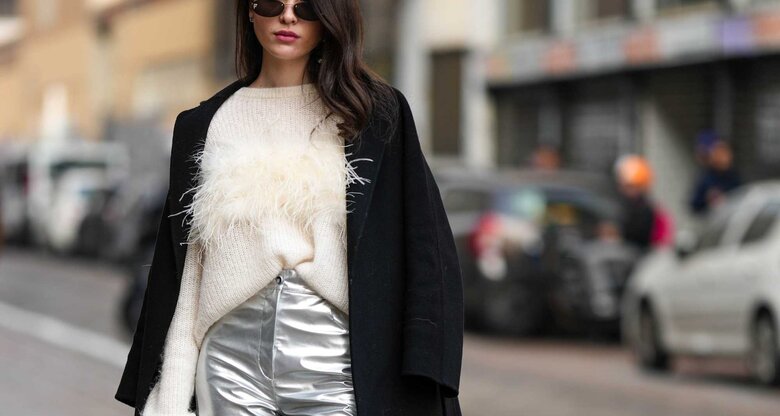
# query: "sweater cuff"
x,y
156,407
173,391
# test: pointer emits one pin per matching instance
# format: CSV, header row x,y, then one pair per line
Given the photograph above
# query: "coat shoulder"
x,y
185,118
223,92
386,122
402,101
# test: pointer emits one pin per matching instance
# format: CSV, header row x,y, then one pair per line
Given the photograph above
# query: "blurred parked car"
x,y
74,193
13,192
138,246
48,164
718,297
532,247
114,230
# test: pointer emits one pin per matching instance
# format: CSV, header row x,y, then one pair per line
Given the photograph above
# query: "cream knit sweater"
x,y
270,194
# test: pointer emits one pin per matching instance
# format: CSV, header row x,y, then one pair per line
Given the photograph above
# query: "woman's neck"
x,y
281,73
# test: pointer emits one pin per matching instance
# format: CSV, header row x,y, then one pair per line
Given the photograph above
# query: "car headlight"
x,y
493,266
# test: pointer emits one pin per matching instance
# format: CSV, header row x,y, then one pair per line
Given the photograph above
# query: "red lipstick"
x,y
286,35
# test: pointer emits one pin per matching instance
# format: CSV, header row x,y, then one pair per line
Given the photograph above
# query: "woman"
x,y
311,269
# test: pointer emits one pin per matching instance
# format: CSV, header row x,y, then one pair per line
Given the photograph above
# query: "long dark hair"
x,y
349,88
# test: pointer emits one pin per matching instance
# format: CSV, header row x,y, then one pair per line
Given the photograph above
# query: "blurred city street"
x,y
609,169
501,376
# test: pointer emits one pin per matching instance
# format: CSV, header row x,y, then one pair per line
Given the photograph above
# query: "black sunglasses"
x,y
272,8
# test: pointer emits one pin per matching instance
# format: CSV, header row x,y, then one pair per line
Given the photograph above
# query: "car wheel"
x,y
764,356
647,347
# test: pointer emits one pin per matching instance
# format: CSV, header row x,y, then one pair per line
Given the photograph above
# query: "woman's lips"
x,y
285,38
286,35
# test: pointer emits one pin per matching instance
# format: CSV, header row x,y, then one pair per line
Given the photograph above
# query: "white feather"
x,y
242,180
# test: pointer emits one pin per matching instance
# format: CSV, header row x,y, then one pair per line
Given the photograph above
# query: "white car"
x,y
719,297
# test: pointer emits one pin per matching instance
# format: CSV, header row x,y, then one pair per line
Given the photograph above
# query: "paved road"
x,y
50,305
60,344
511,377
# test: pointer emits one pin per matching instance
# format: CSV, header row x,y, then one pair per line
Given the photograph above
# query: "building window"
x,y
223,63
605,9
528,16
680,4
596,10
446,93
7,7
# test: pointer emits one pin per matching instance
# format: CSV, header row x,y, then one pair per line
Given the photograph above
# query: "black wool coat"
x,y
405,288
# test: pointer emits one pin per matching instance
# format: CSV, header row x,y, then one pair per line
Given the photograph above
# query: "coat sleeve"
x,y
433,310
127,390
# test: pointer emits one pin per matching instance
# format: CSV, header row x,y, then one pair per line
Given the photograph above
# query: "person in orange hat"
x,y
645,224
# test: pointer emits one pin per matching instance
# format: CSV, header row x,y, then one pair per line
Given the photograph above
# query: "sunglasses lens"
x,y
305,11
268,8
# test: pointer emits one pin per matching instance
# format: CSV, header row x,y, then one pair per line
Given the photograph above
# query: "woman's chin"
x,y
286,53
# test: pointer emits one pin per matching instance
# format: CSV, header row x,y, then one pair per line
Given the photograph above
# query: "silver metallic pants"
x,y
285,351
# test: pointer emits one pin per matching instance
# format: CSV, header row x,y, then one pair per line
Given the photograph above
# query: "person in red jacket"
x,y
645,224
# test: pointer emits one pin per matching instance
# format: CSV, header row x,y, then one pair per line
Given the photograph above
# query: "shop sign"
x,y
736,36
560,58
766,29
641,46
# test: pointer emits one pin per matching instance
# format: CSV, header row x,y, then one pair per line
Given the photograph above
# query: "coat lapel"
x,y
365,156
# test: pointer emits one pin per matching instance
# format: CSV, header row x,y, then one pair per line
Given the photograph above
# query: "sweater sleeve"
x,y
173,392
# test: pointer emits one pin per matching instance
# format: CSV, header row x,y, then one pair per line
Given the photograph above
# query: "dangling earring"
x,y
251,19
319,61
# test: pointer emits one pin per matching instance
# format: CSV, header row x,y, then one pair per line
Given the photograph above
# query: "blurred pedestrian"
x,y
704,141
546,158
717,178
277,285
645,224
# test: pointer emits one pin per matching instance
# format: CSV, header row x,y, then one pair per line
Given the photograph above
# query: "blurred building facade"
x,y
95,62
441,49
491,82
598,78
488,82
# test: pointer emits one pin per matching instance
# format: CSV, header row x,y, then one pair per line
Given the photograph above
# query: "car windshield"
x,y
552,207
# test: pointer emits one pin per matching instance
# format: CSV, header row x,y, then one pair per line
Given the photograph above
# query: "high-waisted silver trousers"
x,y
285,351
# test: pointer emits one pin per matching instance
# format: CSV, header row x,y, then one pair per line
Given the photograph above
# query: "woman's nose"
x,y
288,14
